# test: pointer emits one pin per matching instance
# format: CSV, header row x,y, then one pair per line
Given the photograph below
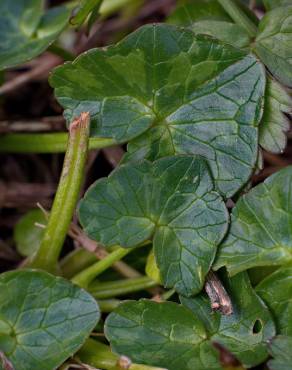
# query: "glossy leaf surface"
x,y
43,319
261,226
245,332
280,349
275,124
178,92
274,43
171,201
276,291
27,30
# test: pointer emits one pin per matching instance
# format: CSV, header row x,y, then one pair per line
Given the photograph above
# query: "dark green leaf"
x,y
274,43
180,91
44,319
276,291
26,30
245,332
274,124
280,349
172,201
260,232
27,235
161,334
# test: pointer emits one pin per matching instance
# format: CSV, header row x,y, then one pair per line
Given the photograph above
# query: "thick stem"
x,y
44,143
219,298
108,305
120,287
85,277
239,17
66,196
99,355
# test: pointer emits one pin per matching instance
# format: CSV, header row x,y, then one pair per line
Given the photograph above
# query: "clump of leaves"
x,y
195,101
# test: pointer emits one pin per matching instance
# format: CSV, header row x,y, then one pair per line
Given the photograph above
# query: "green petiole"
x,y
44,143
66,196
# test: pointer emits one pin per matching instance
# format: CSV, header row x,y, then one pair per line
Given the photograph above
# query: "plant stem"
x,y
108,305
99,355
75,262
85,277
120,287
66,196
44,143
239,17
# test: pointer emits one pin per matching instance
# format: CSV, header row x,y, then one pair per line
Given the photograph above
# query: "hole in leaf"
x,y
257,327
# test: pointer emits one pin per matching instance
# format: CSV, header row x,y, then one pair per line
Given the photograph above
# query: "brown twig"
x,y
219,298
42,125
42,69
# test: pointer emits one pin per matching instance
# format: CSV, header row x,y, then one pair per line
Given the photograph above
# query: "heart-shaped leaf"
x,y
161,334
276,291
260,232
43,319
171,201
280,349
27,30
178,91
167,334
243,333
275,124
274,43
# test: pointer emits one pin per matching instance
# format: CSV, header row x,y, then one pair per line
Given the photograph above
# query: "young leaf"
x,y
86,8
274,43
27,235
26,30
276,291
178,91
280,349
260,232
44,319
243,333
171,201
161,334
274,123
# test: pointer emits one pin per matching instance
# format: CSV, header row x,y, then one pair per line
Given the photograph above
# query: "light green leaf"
x,y
178,91
243,333
280,349
43,319
274,124
27,235
276,291
261,231
161,334
185,15
271,4
151,268
274,43
27,30
86,8
171,201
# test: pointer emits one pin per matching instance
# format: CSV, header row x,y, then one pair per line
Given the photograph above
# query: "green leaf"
x,y
43,319
151,268
276,291
178,92
271,4
243,333
86,8
260,232
171,201
228,32
280,349
27,235
275,124
185,15
274,43
161,334
26,30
